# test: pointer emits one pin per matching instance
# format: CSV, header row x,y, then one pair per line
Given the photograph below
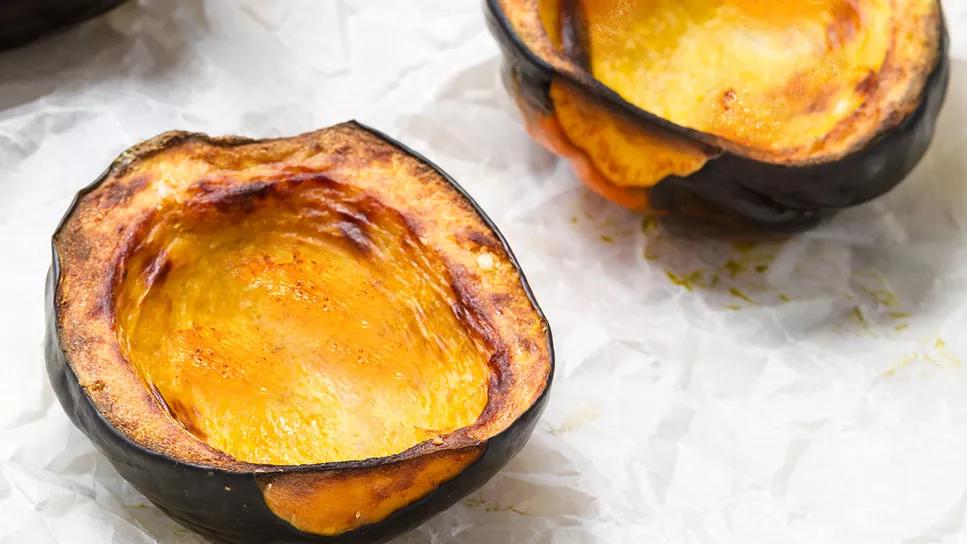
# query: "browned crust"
x,y
523,18
106,223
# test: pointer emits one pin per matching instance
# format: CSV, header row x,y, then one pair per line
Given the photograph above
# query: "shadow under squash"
x,y
133,40
877,262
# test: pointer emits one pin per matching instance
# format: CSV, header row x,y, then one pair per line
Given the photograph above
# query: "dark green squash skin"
x,y
228,507
765,196
23,20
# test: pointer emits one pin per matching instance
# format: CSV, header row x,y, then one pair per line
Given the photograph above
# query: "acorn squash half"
x,y
24,20
774,114
318,338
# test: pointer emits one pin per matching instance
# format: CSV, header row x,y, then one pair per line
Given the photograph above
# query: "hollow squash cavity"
x,y
298,325
791,78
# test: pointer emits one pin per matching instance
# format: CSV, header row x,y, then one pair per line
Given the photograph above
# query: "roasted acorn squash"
x,y
24,20
769,113
318,338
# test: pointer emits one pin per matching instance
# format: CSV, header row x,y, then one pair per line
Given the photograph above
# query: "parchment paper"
x,y
807,390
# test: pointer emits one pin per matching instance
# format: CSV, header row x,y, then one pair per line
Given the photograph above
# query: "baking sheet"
x,y
808,389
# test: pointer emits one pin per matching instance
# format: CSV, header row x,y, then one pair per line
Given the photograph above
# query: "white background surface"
x,y
813,392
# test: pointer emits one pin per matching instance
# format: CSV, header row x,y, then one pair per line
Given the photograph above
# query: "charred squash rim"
x,y
520,21
140,463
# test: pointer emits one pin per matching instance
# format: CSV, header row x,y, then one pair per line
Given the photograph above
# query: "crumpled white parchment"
x,y
708,391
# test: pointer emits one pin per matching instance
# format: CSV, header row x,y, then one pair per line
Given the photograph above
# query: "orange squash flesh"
x,y
626,153
547,131
331,502
315,328
793,79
